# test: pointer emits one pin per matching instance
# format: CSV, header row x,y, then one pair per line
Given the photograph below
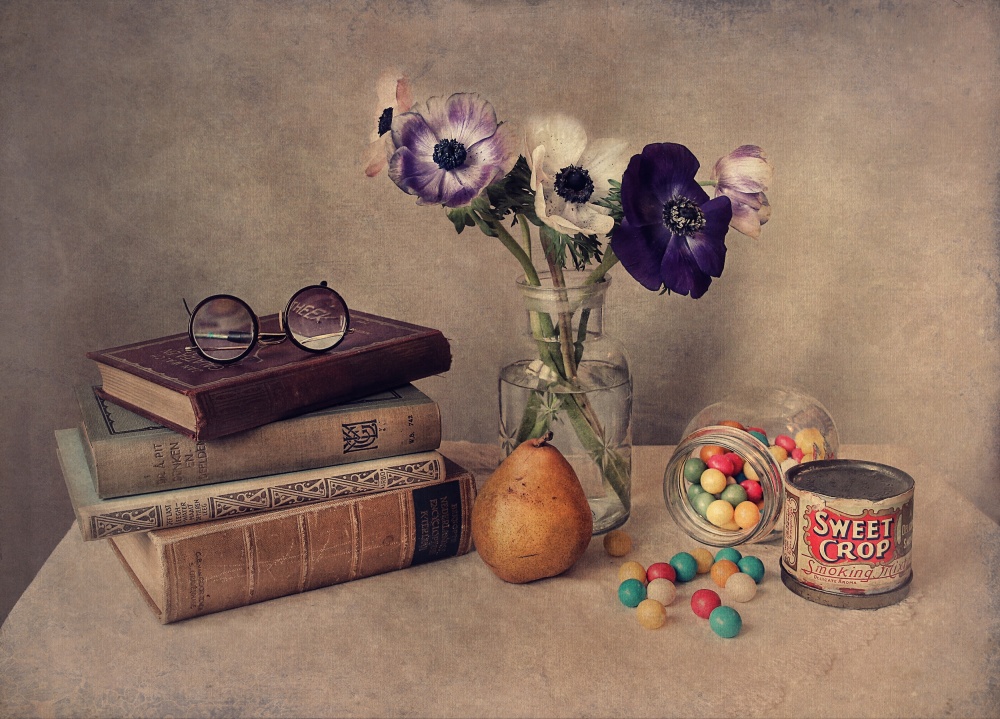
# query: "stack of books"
x,y
220,486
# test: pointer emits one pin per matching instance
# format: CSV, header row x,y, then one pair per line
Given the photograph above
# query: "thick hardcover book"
x,y
99,518
129,454
167,381
189,571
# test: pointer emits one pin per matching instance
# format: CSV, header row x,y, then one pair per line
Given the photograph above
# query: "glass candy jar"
x,y
572,379
762,432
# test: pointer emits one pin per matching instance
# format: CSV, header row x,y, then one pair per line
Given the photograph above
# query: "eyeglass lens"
x,y
223,328
316,318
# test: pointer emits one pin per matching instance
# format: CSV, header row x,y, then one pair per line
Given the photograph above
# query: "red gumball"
x,y
785,442
704,601
754,491
723,463
661,570
737,462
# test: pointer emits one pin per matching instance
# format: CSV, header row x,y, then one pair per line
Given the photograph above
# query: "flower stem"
x,y
515,249
609,260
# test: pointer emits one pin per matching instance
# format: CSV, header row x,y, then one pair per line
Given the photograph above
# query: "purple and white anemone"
x,y
743,176
449,151
671,235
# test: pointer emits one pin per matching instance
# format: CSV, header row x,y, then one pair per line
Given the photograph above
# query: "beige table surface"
x,y
449,639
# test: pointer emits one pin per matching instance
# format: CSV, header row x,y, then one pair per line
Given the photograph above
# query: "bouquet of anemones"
x,y
580,201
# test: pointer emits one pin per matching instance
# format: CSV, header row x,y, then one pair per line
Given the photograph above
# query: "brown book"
x,y
191,571
129,454
167,381
100,518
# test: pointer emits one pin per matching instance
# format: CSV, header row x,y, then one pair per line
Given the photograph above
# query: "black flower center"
x,y
385,121
683,216
449,154
573,184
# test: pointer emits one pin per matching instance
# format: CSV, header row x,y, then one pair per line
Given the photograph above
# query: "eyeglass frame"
x,y
266,338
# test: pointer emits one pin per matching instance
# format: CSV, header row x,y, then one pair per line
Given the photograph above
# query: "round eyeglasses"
x,y
224,329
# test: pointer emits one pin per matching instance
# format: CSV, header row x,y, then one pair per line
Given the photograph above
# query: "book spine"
x,y
158,459
247,562
196,505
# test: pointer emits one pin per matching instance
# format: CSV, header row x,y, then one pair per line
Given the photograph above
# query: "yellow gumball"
x,y
631,570
719,513
780,454
651,614
704,558
713,481
617,543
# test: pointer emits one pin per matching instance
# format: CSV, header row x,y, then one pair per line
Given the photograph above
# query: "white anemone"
x,y
568,174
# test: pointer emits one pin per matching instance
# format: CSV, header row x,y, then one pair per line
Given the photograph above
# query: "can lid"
x,y
849,479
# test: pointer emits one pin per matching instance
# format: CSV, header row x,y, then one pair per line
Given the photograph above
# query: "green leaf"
x,y
461,217
512,194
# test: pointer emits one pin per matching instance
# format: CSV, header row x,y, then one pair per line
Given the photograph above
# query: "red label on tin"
x,y
836,538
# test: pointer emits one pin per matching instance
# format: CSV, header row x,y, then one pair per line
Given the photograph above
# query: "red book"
x,y
165,380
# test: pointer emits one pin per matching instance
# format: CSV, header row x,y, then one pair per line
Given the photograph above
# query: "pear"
x,y
531,519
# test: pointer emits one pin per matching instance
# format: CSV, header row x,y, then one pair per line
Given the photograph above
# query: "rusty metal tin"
x,y
848,528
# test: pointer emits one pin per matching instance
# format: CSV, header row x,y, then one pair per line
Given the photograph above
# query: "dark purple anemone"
x,y
672,235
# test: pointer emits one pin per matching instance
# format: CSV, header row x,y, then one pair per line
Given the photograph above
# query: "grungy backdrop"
x,y
153,151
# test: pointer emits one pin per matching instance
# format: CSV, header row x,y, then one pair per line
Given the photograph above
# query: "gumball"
x,y
780,454
651,614
722,570
734,494
740,587
704,559
754,491
785,442
704,601
721,462
632,570
720,512
693,469
731,553
701,501
746,515
750,473
710,450
631,592
694,490
752,566
737,462
797,454
664,591
725,621
660,570
685,565
759,433
732,423
617,543
811,440
713,481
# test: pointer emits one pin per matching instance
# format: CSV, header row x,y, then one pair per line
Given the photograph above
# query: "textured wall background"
x,y
150,151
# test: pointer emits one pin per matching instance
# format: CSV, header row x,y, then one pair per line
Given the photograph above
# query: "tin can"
x,y
848,527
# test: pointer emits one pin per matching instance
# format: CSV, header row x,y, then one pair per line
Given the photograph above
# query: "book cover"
x,y
99,518
169,382
130,454
191,571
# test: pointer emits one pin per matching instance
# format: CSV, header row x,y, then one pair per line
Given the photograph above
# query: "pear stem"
x,y
543,440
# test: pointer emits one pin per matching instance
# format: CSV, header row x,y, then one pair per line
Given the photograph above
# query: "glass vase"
x,y
573,380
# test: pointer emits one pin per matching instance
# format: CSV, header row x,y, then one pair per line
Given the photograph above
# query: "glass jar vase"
x,y
573,380
769,430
